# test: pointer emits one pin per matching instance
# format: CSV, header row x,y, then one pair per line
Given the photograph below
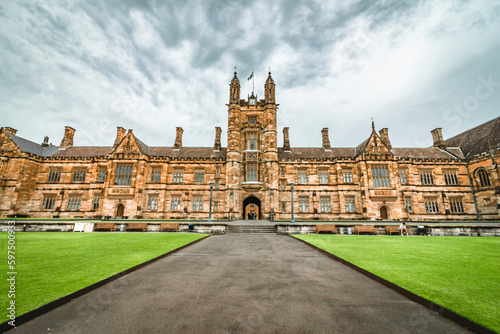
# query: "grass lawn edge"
x,y
464,322
19,320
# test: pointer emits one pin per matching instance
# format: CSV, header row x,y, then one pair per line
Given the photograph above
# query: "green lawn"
x,y
51,265
459,273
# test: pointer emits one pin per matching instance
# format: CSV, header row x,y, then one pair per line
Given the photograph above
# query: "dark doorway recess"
x,y
120,210
252,205
383,213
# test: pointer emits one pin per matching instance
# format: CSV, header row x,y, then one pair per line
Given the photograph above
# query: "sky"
x,y
152,66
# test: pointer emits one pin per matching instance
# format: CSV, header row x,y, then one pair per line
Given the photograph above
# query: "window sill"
x,y
252,184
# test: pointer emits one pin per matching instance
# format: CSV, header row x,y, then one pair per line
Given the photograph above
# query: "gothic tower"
x,y
252,152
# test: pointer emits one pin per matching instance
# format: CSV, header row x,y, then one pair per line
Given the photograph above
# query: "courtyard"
x,y
257,283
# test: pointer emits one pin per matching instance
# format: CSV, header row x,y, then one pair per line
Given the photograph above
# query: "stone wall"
x,y
486,230
33,226
430,230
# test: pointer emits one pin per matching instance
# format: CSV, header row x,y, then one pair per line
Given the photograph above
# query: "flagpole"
x,y
253,81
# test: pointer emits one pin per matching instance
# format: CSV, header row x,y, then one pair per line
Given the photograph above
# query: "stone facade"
x,y
456,179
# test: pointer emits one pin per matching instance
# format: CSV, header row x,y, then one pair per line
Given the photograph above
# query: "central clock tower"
x,y
252,152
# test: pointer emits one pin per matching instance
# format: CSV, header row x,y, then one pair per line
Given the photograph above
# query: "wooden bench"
x,y
366,229
137,226
169,226
326,228
104,226
390,229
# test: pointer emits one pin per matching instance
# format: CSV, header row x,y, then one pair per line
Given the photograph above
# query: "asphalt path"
x,y
243,283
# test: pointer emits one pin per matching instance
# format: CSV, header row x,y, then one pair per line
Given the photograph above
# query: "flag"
x,y
251,76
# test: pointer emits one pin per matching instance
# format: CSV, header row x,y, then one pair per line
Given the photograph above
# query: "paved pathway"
x,y
243,284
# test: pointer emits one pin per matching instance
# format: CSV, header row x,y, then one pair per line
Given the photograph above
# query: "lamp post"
x,y
210,209
291,187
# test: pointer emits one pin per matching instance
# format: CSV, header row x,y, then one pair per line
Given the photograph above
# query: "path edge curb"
x,y
24,318
462,321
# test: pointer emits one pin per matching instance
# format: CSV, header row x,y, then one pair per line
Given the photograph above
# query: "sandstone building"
x,y
456,179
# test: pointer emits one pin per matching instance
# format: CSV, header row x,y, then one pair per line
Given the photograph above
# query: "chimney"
x,y
178,138
45,141
217,138
67,140
120,134
9,130
384,135
326,140
286,139
437,137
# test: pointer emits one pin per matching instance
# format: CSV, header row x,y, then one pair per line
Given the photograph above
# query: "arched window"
x,y
484,178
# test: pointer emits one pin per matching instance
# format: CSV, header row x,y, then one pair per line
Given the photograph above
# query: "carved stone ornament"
x,y
252,156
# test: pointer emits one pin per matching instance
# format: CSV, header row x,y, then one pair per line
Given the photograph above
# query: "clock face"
x,y
252,102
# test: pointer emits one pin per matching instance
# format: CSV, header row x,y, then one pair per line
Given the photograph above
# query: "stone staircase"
x,y
251,229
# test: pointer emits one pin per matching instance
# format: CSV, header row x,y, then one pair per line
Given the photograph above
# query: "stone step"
x,y
257,229
252,227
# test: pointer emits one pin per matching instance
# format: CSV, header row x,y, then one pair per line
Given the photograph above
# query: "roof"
x,y
360,149
166,152
83,152
475,141
145,149
465,145
189,152
423,153
30,147
297,153
456,151
315,153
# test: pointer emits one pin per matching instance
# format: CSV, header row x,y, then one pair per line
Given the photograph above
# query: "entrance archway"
x,y
251,205
120,210
383,213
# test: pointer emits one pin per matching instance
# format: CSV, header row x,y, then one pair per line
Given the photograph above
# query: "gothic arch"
x,y
252,204
120,210
384,212
482,177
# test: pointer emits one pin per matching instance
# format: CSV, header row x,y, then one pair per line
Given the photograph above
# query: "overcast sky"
x,y
151,66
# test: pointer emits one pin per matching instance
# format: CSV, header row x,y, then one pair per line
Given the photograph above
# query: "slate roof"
x,y
456,151
145,149
297,153
84,152
166,152
189,152
422,153
362,147
30,147
465,145
475,141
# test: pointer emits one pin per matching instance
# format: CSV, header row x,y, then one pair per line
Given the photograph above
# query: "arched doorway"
x,y
383,213
120,210
251,205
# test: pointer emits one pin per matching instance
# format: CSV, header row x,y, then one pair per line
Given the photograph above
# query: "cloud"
x,y
152,66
